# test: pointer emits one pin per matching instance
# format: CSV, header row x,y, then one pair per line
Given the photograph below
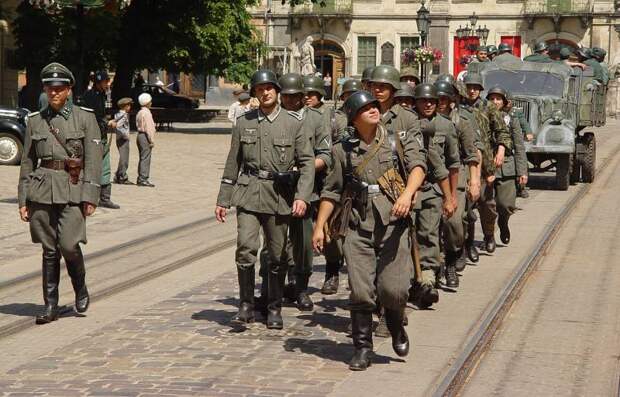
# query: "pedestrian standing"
x,y
238,108
145,139
59,185
121,124
327,80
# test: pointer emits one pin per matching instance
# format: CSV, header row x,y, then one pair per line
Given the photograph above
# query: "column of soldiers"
x,y
388,183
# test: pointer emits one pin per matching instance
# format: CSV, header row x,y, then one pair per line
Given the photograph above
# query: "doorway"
x,y
329,60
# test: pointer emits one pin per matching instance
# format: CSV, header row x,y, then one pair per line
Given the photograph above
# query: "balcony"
x,y
557,7
331,8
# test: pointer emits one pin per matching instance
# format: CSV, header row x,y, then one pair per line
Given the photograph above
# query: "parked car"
x,y
165,98
12,135
559,102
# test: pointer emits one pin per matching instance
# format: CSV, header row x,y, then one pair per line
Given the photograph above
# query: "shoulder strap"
x,y
54,131
370,155
398,154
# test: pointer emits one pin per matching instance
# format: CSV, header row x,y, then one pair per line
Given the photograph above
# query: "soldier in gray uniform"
x,y
59,185
366,77
599,55
480,61
468,180
585,57
492,52
513,168
404,97
260,181
505,56
541,54
376,246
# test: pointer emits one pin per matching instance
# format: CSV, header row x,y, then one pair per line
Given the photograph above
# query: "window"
x,y
366,53
409,42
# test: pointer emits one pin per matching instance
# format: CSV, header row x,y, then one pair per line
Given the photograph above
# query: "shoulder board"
x,y
295,114
87,109
33,114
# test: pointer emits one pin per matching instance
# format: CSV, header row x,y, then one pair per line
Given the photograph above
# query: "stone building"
x,y
352,34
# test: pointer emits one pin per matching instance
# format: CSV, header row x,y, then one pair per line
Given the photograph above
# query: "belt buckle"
x,y
373,189
263,174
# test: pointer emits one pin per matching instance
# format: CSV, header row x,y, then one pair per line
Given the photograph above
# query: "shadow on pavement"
x,y
330,350
335,323
22,309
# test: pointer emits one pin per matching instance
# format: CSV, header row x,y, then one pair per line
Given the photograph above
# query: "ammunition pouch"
x,y
73,165
286,179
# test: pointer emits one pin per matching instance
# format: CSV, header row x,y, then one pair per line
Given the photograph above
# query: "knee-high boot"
x,y
245,275
275,289
400,339
361,324
51,279
77,272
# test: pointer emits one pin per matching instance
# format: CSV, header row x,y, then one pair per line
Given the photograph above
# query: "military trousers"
x,y
455,226
301,238
496,200
274,227
428,219
106,167
379,266
58,227
123,158
144,164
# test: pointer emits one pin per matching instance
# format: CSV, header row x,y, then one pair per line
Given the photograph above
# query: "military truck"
x,y
560,103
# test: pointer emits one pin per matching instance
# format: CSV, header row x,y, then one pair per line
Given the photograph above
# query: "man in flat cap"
x,y
59,185
121,125
95,99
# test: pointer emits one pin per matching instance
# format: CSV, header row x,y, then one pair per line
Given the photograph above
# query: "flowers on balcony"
x,y
421,55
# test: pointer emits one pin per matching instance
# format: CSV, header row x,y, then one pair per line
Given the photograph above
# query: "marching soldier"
x,y
374,220
528,136
409,76
541,53
404,97
492,52
468,179
478,63
95,99
366,77
513,168
260,181
497,140
59,185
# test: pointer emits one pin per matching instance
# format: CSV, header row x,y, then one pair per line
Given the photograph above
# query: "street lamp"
x,y
483,33
473,19
423,21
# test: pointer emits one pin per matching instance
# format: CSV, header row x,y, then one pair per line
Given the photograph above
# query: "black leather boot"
x,y
472,251
489,243
274,307
361,325
304,303
504,230
77,272
245,315
452,279
400,339
290,288
51,278
461,261
332,280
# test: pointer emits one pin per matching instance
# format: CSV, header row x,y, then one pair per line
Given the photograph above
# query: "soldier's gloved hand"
x,y
220,213
88,209
318,239
23,214
299,208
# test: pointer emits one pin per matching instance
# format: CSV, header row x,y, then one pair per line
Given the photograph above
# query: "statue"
x,y
307,58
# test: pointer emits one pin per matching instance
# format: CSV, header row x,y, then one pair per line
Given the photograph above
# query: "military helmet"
x,y
584,52
351,85
473,79
56,74
426,91
565,53
540,46
446,77
314,84
367,73
482,48
357,101
499,91
492,49
504,47
404,92
410,72
598,52
444,88
292,83
264,76
386,74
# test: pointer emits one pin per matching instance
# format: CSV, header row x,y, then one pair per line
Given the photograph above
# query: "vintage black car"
x,y
12,134
165,98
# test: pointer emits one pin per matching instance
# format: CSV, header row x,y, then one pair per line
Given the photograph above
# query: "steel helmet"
x,y
314,84
584,52
292,83
404,92
473,79
357,101
492,49
367,73
598,53
426,91
499,91
540,46
504,47
445,89
351,85
410,72
386,74
263,76
565,53
447,77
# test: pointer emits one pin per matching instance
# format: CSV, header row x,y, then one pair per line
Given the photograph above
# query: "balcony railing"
x,y
558,7
331,7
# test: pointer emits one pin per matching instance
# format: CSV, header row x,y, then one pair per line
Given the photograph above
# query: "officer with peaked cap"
x,y
59,185
95,98
259,179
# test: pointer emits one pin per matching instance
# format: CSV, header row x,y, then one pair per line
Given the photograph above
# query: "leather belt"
x,y
261,174
56,165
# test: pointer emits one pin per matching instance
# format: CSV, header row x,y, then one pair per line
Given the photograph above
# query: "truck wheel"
x,y
588,166
563,168
11,149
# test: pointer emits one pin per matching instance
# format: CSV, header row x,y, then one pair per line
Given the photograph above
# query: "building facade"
x,y
349,35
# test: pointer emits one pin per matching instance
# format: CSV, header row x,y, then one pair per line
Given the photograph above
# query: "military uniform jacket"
x,y
405,122
48,186
599,74
446,141
525,126
493,133
506,58
378,207
336,123
540,58
274,143
469,142
95,100
320,141
515,162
